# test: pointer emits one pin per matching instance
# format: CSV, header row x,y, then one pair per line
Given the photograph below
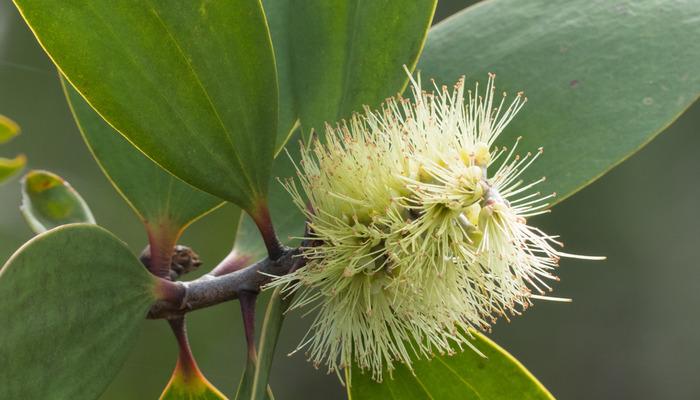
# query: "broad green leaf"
x,y
155,195
164,203
190,83
71,304
49,201
601,79
10,167
463,376
334,57
8,129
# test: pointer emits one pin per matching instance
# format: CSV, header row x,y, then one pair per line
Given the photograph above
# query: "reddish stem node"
x,y
162,238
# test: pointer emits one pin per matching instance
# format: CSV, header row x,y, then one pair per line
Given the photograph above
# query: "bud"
x,y
184,260
419,237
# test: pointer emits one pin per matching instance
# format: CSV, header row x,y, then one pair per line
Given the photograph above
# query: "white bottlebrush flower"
x,y
420,230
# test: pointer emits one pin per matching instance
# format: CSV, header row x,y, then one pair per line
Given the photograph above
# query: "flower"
x,y
420,230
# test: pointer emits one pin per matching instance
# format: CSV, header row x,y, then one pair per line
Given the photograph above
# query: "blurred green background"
x,y
630,332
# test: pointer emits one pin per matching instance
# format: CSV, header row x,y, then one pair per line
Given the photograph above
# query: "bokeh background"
x,y
632,331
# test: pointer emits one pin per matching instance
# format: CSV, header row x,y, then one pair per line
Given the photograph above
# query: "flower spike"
x,y
420,229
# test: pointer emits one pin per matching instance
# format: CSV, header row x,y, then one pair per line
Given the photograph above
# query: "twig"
x,y
210,290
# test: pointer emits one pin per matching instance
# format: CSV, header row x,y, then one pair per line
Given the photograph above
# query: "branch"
x,y
209,290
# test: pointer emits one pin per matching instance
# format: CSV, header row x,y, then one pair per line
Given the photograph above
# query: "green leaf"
x,y
334,57
277,14
49,201
71,302
10,167
601,80
8,129
465,375
156,196
165,204
190,83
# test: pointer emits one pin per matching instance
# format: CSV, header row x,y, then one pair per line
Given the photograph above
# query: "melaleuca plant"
x,y
385,187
